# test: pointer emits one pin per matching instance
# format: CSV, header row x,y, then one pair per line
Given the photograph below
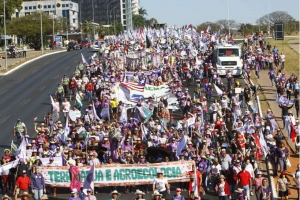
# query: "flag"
x,y
53,104
13,147
218,34
89,180
181,146
293,132
105,113
84,62
67,130
21,152
144,132
95,113
195,183
148,42
258,147
218,90
262,141
78,100
9,165
208,29
153,23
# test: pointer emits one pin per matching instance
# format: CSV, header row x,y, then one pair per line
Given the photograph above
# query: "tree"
x,y
10,7
116,28
142,11
28,28
277,16
148,22
138,21
214,27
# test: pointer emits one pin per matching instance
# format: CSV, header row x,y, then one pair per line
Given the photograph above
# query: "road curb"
x,y
29,61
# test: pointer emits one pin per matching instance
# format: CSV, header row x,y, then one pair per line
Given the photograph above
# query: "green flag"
x,y
148,42
78,100
13,147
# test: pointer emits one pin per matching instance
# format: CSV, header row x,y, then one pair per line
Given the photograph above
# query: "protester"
x,y
74,195
37,184
22,183
282,186
265,191
139,195
115,195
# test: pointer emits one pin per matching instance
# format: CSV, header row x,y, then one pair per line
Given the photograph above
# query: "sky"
x,y
195,12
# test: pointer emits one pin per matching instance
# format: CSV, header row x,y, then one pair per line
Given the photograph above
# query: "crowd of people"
x,y
225,140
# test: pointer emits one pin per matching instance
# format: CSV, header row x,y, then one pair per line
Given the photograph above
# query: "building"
x,y
107,11
135,6
61,8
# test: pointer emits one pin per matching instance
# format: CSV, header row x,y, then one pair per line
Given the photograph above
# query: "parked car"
x,y
95,47
73,46
85,44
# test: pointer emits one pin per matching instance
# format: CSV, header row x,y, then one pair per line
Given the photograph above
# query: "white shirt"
x,y
250,169
215,169
66,106
160,184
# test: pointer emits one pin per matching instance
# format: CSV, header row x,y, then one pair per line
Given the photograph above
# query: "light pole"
x,y
107,14
228,19
256,21
269,16
5,42
53,26
67,36
80,19
42,45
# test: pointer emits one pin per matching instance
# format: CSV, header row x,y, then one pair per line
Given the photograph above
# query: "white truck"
x,y
228,57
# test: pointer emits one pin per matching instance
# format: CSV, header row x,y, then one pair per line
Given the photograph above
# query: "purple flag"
x,y
89,181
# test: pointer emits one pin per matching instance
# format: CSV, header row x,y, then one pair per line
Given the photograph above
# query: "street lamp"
x,y
5,42
80,19
67,36
107,13
228,19
42,45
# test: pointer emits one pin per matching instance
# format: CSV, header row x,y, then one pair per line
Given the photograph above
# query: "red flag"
x,y
293,132
258,147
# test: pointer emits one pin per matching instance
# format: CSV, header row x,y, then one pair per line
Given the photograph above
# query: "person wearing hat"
x,y
285,111
21,167
257,183
5,197
156,195
178,195
22,183
245,180
139,195
89,195
23,196
115,195
241,194
37,183
222,189
160,184
74,195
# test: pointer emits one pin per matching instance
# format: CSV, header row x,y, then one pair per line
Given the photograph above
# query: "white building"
x,y
61,8
135,6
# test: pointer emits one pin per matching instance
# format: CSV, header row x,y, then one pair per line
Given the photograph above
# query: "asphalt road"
x,y
25,94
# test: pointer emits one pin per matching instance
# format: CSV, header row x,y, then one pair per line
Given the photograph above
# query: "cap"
x,y
24,172
178,190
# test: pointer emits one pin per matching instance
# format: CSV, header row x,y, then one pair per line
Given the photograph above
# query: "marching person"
x,y
65,83
37,184
22,184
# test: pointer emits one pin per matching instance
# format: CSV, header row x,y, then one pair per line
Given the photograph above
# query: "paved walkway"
x,y
270,93
29,55
294,44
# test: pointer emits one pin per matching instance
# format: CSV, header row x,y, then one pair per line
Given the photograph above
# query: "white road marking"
x,y
42,88
22,102
26,101
34,71
3,91
19,80
55,77
3,120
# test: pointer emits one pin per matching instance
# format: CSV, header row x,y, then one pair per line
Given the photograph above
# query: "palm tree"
x,y
142,11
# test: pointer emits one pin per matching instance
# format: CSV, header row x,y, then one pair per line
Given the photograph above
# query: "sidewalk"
x,y
270,94
31,54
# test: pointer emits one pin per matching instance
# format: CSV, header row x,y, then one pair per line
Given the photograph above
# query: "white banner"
x,y
156,91
57,161
9,165
121,174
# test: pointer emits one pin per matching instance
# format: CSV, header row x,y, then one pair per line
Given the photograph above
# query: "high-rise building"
x,y
135,6
60,8
107,11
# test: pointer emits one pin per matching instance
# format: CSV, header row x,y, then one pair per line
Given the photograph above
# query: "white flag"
x,y
53,104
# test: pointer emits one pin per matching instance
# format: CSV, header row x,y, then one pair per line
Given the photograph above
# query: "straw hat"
x,y
71,162
139,192
156,193
25,194
6,197
239,190
116,192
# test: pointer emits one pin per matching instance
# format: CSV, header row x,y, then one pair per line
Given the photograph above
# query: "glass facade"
x,y
100,10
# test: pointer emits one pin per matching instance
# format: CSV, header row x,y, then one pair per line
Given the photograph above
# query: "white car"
x,y
95,46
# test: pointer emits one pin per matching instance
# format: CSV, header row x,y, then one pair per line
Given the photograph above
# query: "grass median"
x,y
292,56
